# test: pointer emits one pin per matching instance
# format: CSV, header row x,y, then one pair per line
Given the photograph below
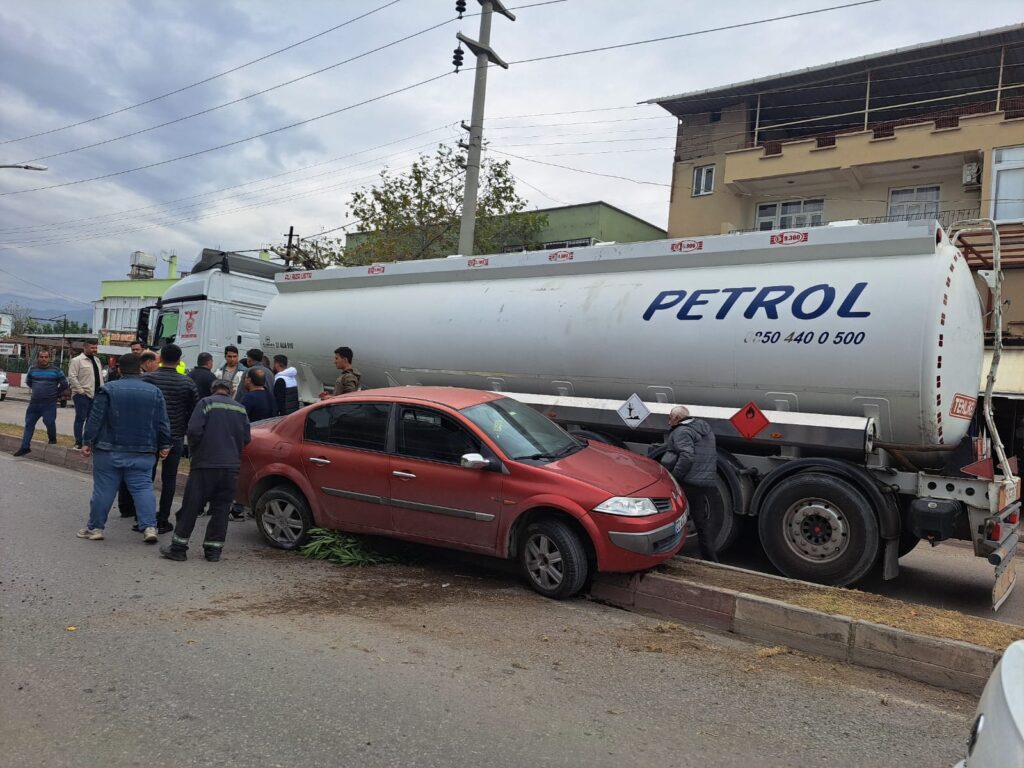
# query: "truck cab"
x,y
220,302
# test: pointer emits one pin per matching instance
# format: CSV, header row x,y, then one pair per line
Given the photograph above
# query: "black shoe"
x,y
212,555
51,442
136,528
22,451
178,555
164,528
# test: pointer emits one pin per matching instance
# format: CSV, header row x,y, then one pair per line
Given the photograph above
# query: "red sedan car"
x,y
463,469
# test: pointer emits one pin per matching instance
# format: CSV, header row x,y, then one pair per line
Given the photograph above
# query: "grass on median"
x,y
341,549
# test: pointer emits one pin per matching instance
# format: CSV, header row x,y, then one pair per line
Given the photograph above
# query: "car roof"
x,y
454,397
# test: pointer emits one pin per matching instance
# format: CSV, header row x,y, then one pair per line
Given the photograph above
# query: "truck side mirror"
x,y
142,327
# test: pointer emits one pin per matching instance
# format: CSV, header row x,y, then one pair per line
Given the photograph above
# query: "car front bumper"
x,y
660,541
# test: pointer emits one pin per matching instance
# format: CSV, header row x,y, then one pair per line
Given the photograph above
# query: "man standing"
x,y
254,359
217,433
257,404
148,361
692,459
110,373
47,383
349,379
286,387
180,397
202,374
232,370
126,430
136,347
85,380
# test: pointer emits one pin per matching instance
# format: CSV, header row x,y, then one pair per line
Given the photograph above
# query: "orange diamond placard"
x,y
749,420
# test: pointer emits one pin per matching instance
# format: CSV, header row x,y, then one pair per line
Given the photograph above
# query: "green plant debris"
x,y
341,549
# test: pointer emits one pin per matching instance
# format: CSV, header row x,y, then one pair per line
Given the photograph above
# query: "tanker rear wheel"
x,y
820,528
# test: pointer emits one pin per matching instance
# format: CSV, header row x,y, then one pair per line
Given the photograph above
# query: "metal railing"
x,y
945,219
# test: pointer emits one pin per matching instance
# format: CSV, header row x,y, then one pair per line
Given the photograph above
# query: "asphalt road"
x,y
111,656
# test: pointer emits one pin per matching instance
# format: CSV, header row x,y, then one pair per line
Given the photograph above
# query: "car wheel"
x,y
553,559
3,396
819,528
283,517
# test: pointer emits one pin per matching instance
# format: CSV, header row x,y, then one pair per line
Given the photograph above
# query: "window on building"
x,y
791,213
703,180
1008,183
914,203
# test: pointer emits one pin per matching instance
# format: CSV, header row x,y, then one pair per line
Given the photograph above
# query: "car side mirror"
x,y
474,461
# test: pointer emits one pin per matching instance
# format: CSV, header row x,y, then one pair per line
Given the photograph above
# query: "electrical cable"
x,y
208,79
44,288
580,170
694,33
237,141
242,98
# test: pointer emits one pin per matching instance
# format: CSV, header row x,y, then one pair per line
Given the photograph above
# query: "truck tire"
x,y
283,517
818,527
553,559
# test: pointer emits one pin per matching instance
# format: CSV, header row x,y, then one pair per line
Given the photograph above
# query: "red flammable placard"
x,y
749,420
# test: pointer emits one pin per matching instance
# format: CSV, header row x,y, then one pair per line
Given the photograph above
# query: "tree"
x,y
416,215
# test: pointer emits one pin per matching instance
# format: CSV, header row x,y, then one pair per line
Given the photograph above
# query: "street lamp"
x,y
27,166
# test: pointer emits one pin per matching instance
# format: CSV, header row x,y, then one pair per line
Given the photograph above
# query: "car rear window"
x,y
353,425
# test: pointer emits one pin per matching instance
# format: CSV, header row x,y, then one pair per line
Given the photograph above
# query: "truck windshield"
x,y
166,328
520,431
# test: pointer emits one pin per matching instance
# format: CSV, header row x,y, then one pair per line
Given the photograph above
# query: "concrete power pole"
x,y
485,55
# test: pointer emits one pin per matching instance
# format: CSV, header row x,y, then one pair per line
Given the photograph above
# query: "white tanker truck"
x,y
862,344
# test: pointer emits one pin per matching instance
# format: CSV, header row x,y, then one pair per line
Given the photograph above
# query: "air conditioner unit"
x,y
971,174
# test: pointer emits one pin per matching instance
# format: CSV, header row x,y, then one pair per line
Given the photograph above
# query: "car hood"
x,y
615,470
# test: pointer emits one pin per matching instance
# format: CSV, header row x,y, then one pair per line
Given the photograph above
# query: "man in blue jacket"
x,y
47,383
126,430
217,433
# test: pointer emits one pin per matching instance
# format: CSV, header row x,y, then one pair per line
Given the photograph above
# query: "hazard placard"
x,y
749,420
633,411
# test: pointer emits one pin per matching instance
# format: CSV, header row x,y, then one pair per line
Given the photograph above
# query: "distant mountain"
x,y
46,308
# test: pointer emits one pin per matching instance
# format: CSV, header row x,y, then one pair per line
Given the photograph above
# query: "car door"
x,y
344,455
432,495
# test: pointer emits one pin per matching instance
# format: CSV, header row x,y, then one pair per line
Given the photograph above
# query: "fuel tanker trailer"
x,y
839,367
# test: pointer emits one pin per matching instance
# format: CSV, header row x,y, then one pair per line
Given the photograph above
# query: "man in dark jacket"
x,y
180,396
258,402
47,382
202,374
217,433
127,429
692,459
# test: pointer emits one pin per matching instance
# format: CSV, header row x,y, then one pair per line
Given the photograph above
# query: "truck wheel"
x,y
819,528
283,517
553,559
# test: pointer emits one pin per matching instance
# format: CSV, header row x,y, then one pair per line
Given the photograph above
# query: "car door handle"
x,y
319,460
404,475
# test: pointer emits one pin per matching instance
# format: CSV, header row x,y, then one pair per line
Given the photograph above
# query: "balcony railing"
x,y
945,218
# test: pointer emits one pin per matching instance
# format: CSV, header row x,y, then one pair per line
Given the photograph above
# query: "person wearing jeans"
x,y
46,383
86,380
126,430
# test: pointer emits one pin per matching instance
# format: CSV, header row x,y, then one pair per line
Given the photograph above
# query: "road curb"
x,y
59,456
949,664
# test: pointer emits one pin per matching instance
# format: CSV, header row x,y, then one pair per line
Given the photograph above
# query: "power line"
x,y
697,32
234,186
44,288
247,97
521,180
580,170
208,79
238,141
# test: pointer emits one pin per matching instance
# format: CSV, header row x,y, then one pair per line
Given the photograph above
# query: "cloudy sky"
x,y
65,62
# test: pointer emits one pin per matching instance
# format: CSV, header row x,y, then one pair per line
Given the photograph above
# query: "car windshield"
x,y
520,431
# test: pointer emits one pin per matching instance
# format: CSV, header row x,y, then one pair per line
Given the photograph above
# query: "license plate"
x,y
678,526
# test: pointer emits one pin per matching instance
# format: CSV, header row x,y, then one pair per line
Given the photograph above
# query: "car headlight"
x,y
627,507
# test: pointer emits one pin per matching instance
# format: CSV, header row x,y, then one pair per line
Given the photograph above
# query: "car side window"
x,y
352,425
426,434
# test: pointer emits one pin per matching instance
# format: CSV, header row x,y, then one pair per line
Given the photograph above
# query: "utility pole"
x,y
288,253
485,55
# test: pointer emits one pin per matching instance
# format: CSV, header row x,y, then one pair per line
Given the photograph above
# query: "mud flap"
x,y
1006,577
891,559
